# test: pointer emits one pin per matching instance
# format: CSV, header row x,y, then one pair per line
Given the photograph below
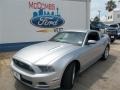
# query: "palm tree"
x,y
96,19
111,5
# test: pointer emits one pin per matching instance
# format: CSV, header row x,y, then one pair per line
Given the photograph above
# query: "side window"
x,y
93,36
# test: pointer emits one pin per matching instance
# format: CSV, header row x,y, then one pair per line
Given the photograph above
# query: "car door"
x,y
102,45
90,52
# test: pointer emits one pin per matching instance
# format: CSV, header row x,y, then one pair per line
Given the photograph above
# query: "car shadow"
x,y
85,79
117,42
21,86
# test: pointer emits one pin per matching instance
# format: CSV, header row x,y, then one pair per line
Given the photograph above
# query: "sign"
x,y
45,15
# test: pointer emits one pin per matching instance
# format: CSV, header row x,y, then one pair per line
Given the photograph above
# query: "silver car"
x,y
55,63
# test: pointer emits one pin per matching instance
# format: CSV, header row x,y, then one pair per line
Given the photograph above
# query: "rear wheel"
x,y
106,53
112,40
68,78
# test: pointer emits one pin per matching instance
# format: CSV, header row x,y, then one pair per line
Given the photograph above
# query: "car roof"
x,y
76,30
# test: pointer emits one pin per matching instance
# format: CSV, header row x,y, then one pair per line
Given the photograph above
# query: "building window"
x,y
118,15
111,16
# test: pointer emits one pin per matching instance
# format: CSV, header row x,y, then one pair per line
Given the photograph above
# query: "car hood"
x,y
44,53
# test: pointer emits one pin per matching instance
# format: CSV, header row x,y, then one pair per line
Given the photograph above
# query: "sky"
x,y
97,5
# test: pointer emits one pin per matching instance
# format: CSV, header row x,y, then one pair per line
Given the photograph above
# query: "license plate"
x,y
17,75
112,36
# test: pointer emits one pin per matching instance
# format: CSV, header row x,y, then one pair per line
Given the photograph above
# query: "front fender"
x,y
61,64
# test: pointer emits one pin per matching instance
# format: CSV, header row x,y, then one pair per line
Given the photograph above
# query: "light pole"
x,y
99,13
105,17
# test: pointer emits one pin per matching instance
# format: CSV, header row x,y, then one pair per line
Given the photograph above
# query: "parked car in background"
x,y
116,26
99,26
55,63
113,33
118,34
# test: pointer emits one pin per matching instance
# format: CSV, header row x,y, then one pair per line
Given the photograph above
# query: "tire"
x,y
106,53
112,40
68,78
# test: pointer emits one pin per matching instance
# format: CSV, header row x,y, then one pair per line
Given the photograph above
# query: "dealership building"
x,y
25,22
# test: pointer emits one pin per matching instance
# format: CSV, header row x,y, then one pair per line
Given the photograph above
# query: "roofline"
x,y
84,31
75,30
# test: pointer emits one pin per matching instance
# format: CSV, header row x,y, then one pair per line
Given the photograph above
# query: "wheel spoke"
x,y
73,76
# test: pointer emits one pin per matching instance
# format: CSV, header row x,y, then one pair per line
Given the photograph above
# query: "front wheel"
x,y
106,53
68,78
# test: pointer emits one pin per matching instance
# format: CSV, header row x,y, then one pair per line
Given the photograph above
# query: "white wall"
x,y
110,16
1,22
15,24
116,18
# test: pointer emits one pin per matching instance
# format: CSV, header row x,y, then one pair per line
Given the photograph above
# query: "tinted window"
x,y
114,25
93,36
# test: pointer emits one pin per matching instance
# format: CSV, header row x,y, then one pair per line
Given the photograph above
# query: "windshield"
x,y
114,26
69,37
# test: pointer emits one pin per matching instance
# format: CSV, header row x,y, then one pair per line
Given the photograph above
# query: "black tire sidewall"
x,y
104,57
66,82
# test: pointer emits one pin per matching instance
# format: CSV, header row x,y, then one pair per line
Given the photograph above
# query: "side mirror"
x,y
91,42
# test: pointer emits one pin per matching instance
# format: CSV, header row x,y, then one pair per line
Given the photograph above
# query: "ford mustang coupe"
x,y
55,63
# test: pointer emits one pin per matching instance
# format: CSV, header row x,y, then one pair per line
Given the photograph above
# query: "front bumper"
x,y
118,35
40,81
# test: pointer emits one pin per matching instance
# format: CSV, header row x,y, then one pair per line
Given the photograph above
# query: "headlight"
x,y
46,69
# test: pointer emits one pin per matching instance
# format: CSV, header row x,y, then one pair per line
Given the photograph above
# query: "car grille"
x,y
23,66
112,32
